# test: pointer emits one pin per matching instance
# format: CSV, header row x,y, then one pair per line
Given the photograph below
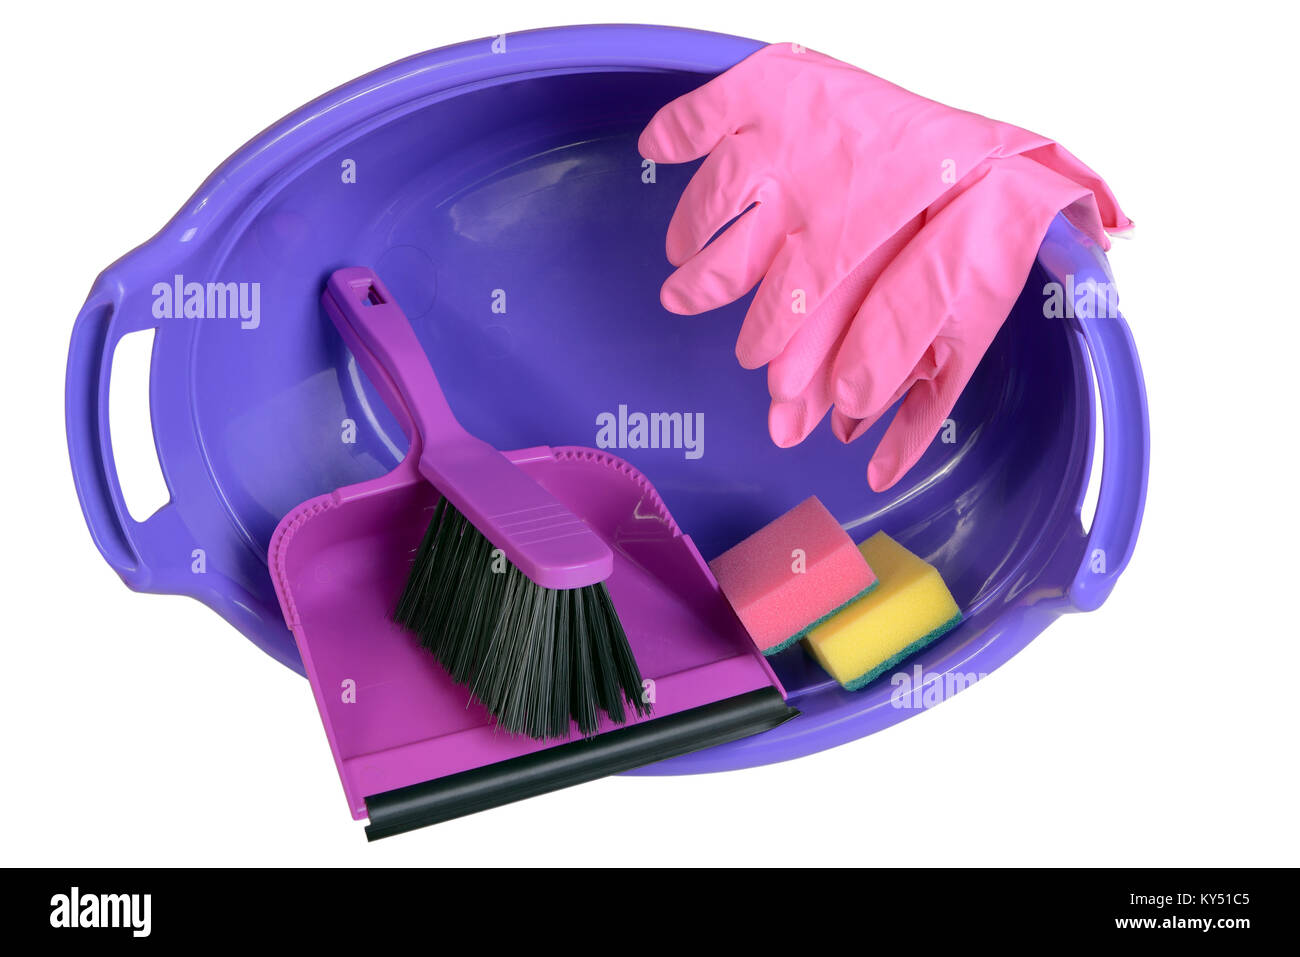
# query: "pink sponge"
x,y
791,574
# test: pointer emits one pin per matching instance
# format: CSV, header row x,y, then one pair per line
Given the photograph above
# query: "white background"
x,y
141,729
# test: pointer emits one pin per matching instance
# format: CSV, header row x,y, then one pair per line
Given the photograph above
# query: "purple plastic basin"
x,y
483,178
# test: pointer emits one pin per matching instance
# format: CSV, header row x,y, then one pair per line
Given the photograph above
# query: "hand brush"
x,y
507,589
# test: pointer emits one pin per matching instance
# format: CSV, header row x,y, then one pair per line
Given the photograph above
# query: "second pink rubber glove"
x,y
854,199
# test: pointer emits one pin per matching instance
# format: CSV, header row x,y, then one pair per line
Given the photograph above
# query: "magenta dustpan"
x,y
412,747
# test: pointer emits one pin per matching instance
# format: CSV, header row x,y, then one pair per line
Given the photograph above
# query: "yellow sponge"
x,y
910,608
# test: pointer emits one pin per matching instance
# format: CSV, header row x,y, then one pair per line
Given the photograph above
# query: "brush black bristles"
x,y
537,657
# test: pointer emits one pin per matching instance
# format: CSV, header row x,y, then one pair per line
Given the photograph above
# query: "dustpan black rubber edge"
x,y
456,795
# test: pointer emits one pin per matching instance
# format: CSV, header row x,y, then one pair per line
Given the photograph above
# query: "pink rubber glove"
x,y
836,173
934,310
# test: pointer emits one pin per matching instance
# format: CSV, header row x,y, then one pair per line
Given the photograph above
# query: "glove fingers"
x,y
962,274
848,429
810,352
927,404
917,421
790,421
816,342
727,268
686,128
792,290
695,122
909,304
720,190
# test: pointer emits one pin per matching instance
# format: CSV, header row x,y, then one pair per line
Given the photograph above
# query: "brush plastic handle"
x,y
549,544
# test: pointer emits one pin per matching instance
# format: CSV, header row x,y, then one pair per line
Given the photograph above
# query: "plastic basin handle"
x,y
1122,392
1124,462
154,555
86,417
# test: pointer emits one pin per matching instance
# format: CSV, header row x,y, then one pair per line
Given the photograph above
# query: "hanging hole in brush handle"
x,y
1126,454
390,394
